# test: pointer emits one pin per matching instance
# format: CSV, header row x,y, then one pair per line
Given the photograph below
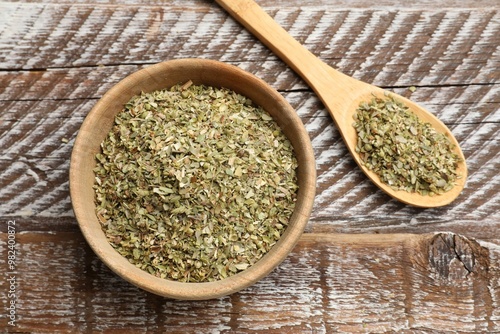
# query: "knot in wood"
x,y
455,258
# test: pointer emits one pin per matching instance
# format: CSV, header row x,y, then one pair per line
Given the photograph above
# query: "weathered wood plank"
x,y
444,46
424,4
330,283
34,178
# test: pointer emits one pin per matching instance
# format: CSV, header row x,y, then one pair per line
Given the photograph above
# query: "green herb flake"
x,y
406,153
194,183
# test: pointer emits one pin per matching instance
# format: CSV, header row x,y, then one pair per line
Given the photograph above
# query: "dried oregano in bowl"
x,y
405,152
194,183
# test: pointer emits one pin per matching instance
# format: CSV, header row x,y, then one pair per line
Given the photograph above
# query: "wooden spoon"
x,y
340,93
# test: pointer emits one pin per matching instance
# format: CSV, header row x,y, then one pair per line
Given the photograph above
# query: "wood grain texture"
x,y
49,83
330,283
424,4
57,58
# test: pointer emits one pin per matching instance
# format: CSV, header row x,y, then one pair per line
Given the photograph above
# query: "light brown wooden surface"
x,y
366,263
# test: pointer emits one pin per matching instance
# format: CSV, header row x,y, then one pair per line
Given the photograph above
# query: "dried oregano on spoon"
x,y
194,183
405,152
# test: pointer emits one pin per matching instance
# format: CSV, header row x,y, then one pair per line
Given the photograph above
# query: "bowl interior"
x,y
97,125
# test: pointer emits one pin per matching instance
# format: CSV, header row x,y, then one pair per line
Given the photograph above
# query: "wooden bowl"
x,y
98,124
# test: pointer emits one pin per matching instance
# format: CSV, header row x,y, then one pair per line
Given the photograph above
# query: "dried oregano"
x,y
194,183
406,153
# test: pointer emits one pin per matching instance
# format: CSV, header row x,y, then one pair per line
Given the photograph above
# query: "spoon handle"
x,y
318,75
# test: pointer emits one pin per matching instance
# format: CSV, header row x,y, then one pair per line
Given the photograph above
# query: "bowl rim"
x,y
93,233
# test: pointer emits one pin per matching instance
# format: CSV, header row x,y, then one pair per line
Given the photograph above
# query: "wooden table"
x,y
366,263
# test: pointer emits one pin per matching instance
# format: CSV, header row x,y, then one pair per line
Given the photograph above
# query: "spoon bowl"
x,y
340,94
